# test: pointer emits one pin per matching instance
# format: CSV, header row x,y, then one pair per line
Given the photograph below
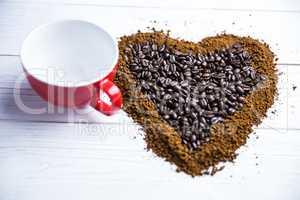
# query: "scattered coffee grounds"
x,y
197,102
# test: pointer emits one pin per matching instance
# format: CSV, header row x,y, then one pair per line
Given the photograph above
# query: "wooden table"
x,y
52,156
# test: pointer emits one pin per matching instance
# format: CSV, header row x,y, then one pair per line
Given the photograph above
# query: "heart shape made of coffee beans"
x,y
196,102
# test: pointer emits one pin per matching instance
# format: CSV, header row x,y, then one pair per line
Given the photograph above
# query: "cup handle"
x,y
113,92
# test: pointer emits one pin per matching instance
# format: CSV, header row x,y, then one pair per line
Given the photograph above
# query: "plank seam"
x,y
279,130
155,7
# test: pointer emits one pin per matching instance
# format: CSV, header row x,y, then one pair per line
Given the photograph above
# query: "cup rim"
x,y
82,83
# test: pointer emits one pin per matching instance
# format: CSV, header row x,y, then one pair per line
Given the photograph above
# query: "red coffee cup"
x,y
71,63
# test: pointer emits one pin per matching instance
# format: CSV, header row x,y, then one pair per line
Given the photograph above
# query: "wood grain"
x,y
279,29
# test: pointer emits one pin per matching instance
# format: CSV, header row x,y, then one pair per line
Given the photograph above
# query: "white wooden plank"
x,y
274,5
58,161
92,161
278,114
293,100
9,109
280,29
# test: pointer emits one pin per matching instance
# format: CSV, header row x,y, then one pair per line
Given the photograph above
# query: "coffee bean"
x,y
240,90
202,125
173,114
215,120
203,103
252,74
210,98
154,47
162,48
204,63
232,98
215,109
228,68
237,46
194,138
241,99
185,141
239,106
172,59
206,76
194,145
187,73
166,117
194,115
231,110
237,70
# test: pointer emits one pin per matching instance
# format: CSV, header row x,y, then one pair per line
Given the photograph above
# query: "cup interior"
x,y
69,53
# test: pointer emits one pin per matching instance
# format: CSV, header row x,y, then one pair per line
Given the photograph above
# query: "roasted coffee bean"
x,y
145,62
172,59
232,97
215,120
194,116
194,145
239,106
240,90
206,76
215,109
173,114
162,48
210,98
241,99
166,117
194,138
228,68
231,110
237,70
193,92
203,103
187,73
237,46
252,74
154,47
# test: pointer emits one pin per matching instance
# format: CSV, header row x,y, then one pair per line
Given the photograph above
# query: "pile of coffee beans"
x,y
167,87
193,92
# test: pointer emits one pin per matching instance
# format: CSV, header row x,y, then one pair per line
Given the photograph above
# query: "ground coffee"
x,y
225,65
